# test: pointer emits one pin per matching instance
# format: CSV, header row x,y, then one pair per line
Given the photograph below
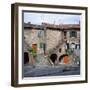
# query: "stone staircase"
x,y
56,48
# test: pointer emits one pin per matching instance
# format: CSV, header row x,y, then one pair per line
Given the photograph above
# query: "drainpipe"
x,y
45,40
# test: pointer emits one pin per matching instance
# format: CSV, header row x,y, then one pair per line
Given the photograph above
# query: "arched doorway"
x,y
26,58
65,58
53,57
73,46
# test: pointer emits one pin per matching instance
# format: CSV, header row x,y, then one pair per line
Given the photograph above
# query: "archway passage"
x,y
65,58
53,57
26,58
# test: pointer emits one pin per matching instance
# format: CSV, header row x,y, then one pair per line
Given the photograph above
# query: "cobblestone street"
x,y
37,71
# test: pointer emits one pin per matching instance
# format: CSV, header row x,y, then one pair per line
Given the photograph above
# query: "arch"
x,y
26,57
73,45
53,57
62,56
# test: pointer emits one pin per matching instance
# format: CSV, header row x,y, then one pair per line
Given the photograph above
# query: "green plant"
x,y
69,52
32,51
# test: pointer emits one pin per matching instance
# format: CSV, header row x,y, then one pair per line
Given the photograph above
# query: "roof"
x,y
53,26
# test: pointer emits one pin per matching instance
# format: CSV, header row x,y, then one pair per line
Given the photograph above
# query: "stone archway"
x,y
53,57
64,57
26,58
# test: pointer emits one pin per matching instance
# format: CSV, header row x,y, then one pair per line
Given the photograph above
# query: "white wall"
x,y
5,44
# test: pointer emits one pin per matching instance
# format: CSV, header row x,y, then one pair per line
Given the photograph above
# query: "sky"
x,y
38,18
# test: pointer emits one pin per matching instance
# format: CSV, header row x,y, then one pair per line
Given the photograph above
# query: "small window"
x,y
65,33
60,50
73,34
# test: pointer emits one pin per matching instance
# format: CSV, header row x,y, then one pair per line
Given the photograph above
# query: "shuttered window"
x,y
73,34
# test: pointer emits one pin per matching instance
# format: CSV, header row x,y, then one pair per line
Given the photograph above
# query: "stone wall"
x,y
54,41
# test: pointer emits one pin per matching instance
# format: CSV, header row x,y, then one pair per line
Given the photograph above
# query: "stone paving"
x,y
60,70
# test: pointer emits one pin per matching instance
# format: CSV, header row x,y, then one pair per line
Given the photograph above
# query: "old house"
x,y
50,42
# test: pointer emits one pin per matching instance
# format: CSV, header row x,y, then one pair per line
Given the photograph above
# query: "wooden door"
x,y
66,59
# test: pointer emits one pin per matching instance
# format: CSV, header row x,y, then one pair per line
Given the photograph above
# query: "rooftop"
x,y
52,26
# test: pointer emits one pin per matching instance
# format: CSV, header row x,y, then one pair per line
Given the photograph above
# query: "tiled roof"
x,y
53,26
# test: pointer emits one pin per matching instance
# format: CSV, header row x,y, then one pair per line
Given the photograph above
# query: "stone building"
x,y
49,39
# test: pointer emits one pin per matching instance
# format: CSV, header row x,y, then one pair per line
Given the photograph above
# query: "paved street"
x,y
38,71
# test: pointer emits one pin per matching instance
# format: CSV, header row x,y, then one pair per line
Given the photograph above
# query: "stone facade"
x,y
55,38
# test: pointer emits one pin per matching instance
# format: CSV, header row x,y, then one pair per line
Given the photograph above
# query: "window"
x,y
60,50
73,34
65,33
